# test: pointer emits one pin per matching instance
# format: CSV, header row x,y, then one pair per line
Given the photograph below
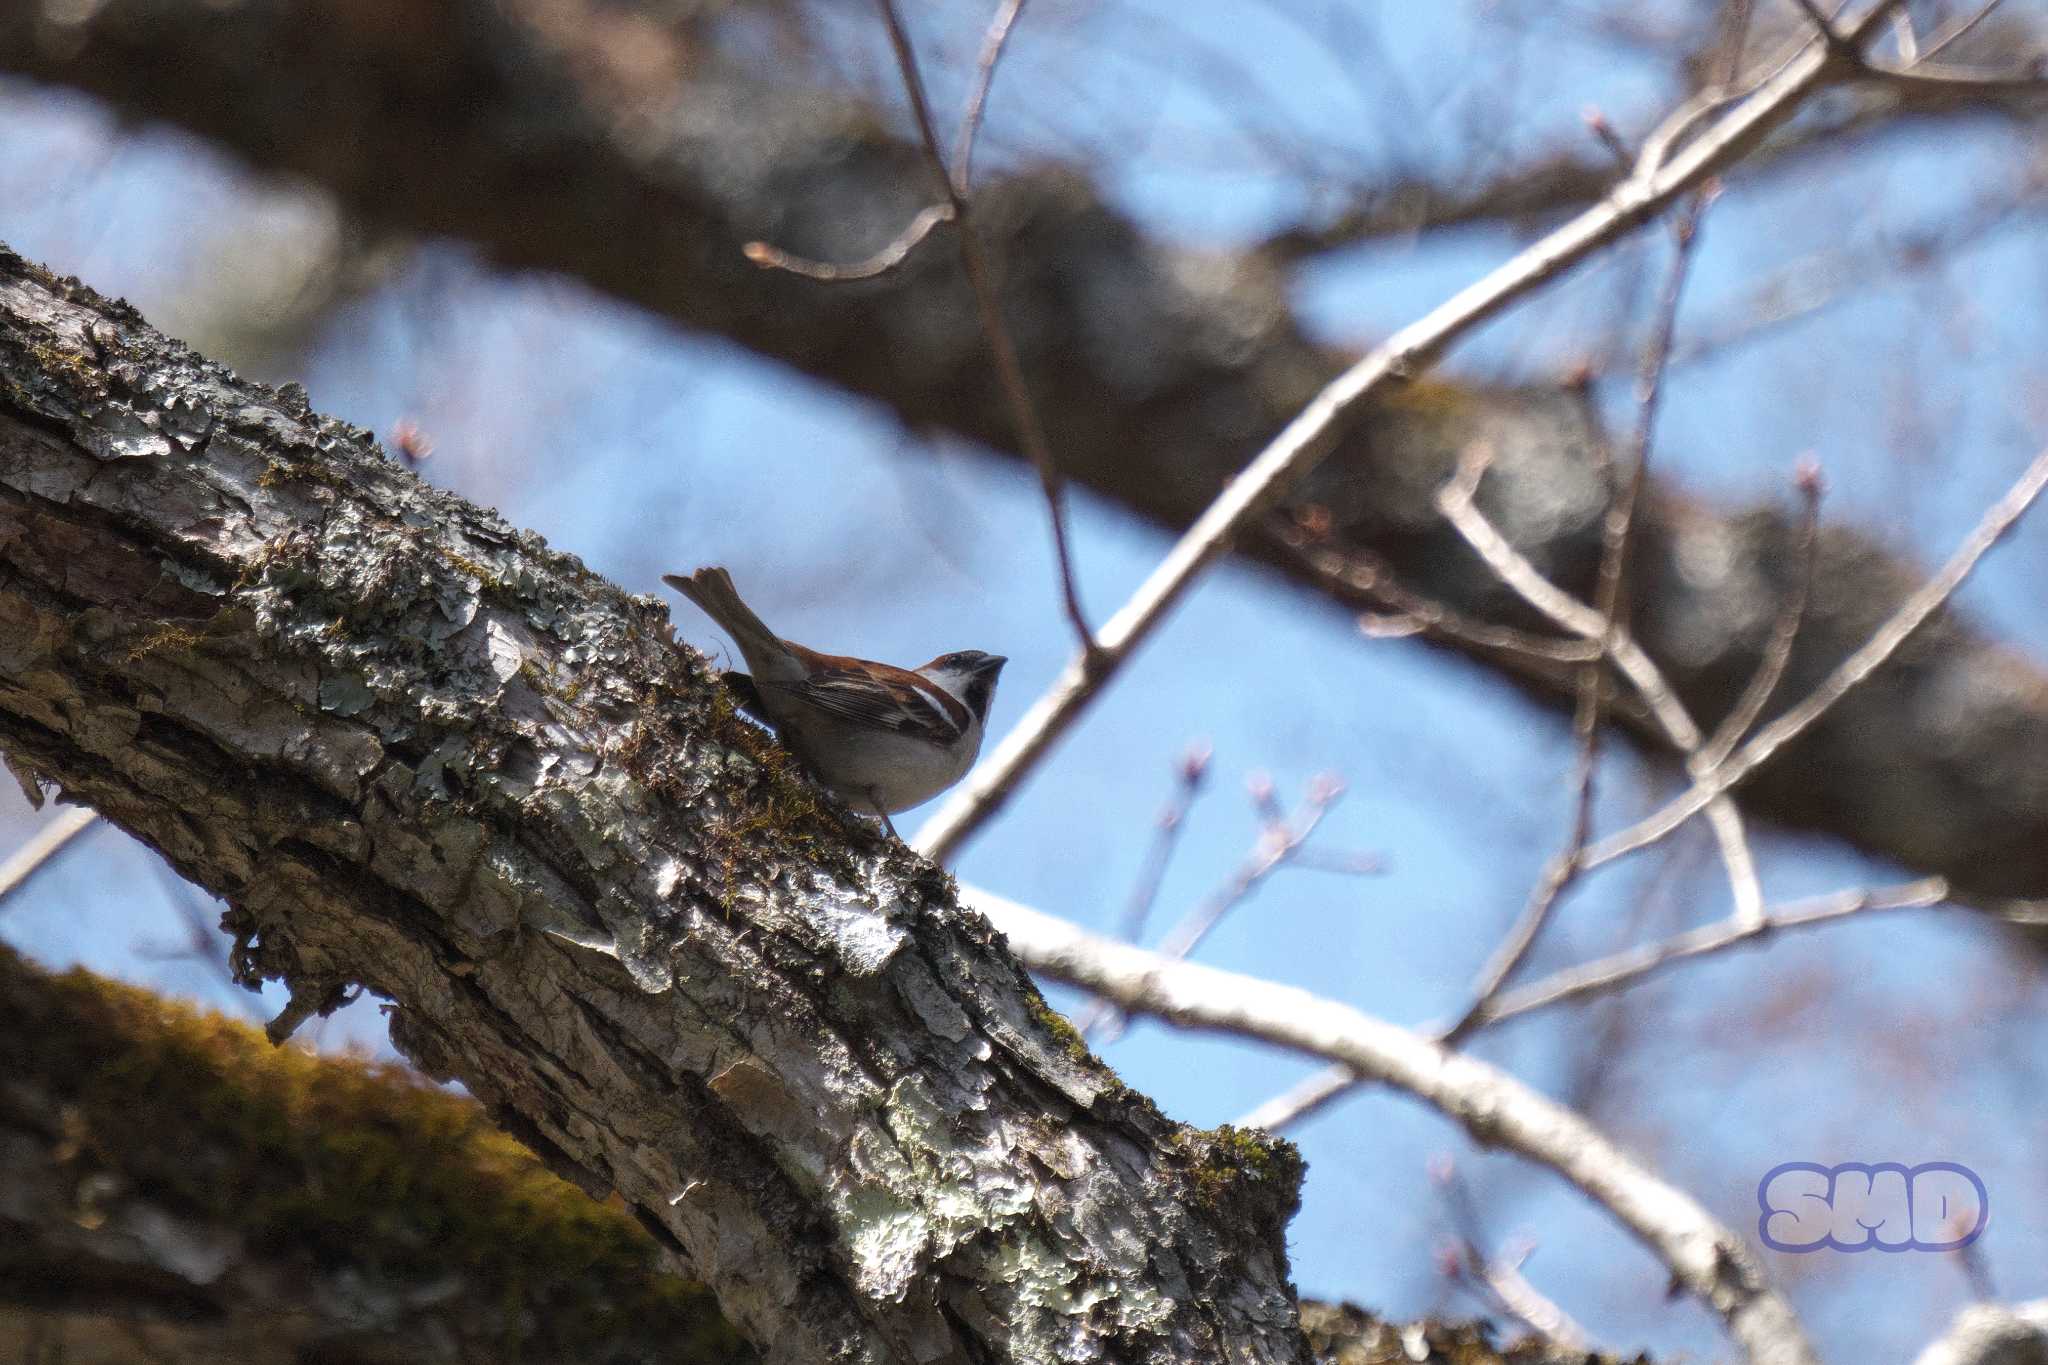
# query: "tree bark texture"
x,y
175,1191
415,749
1158,370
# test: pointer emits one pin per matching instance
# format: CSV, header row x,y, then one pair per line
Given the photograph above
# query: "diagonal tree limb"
x,y
417,751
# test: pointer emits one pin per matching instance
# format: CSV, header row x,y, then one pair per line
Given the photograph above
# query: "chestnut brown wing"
x,y
908,705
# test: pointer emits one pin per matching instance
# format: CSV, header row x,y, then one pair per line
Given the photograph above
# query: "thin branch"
x,y
1616,535
1280,839
1949,82
1456,501
1519,1295
1912,614
1944,38
204,944
1302,1100
1498,1281
1189,774
1009,372
1903,35
1705,1258
1278,842
1606,975
881,263
1784,631
1303,443
1357,573
41,849
1167,831
1628,967
1734,38
992,43
1825,26
1825,279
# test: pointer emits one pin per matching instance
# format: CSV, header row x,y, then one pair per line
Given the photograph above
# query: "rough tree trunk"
x,y
415,749
1158,370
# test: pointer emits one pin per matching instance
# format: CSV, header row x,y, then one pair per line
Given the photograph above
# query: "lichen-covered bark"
x,y
415,749
175,1191
1158,371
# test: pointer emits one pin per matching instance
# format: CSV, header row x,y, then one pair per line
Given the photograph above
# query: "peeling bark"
x,y
1158,370
415,749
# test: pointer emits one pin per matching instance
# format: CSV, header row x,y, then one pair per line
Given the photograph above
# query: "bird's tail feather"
x,y
712,590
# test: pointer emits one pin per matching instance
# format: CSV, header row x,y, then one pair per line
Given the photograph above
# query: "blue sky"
x,y
1905,1038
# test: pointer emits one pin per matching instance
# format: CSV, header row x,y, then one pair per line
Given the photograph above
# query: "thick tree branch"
x,y
659,171
415,749
176,1189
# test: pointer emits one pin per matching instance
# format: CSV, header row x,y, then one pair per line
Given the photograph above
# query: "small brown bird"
x,y
880,736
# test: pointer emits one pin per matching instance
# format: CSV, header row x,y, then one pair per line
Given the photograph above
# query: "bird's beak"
x,y
993,664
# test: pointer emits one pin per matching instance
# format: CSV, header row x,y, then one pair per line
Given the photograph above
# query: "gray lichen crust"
x,y
417,750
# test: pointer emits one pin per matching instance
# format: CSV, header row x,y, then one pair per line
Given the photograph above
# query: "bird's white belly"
x,y
915,771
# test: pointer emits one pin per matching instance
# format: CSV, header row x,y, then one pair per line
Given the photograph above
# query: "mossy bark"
x,y
174,1189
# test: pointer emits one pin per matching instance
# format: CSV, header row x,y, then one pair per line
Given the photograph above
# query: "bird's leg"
x,y
887,823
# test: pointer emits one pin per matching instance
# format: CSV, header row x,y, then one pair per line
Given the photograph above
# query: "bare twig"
x,y
1280,840
881,263
1498,1279
204,943
1626,968
1954,82
1359,574
1902,34
41,849
1912,614
1606,975
1825,279
992,44
1824,24
1705,1258
1167,829
1960,28
1735,20
981,279
1302,1100
1669,713
1519,1295
1784,631
1313,432
1616,534
953,208
1970,1260
1172,822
